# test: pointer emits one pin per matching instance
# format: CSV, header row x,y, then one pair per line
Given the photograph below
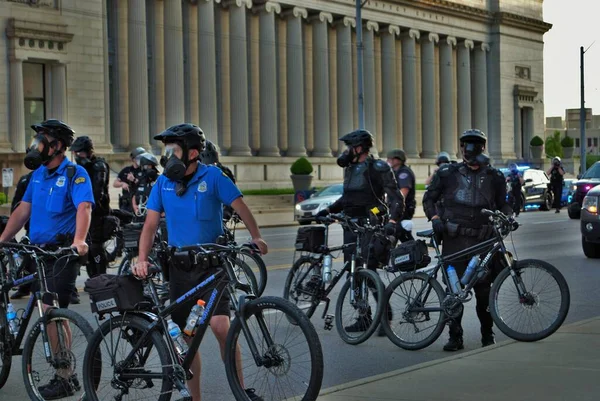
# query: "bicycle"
x,y
425,308
152,363
363,290
51,359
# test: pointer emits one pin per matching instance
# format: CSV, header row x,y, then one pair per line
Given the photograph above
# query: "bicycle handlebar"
x,y
216,248
63,251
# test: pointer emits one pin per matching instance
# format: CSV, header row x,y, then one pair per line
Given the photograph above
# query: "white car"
x,y
306,210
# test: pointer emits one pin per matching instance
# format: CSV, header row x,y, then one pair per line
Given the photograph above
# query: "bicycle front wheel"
x,y
109,375
290,353
358,309
5,348
532,304
60,377
257,265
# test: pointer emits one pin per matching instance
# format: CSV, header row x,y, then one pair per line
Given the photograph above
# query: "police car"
x,y
535,192
306,210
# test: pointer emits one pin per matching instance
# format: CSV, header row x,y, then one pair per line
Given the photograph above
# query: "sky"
x,y
575,23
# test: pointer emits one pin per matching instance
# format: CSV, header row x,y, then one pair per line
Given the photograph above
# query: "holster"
x,y
452,229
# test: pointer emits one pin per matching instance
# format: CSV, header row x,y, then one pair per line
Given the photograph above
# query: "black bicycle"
x,y
56,342
132,356
359,305
529,299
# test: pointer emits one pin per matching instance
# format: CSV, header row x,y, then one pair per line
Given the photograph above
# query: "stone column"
x,y
320,49
345,94
192,108
158,114
174,99
18,133
479,89
295,80
59,91
107,124
428,115
268,85
518,130
207,72
122,107
409,93
463,81
447,112
369,80
388,75
138,76
238,78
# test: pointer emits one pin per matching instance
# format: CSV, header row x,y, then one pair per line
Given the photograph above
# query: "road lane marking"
x,y
550,221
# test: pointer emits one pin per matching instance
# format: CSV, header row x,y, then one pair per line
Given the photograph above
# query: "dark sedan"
x,y
590,223
589,180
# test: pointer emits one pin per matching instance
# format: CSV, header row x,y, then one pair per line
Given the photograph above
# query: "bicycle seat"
x,y
425,234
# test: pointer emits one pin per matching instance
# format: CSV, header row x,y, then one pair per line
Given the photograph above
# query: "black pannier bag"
x,y
111,293
310,239
131,237
410,255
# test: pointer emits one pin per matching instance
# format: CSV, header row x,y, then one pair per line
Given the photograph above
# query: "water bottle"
x,y
471,268
175,332
13,322
327,261
195,313
453,278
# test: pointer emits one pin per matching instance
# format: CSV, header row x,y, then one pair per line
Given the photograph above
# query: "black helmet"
x,y
147,159
82,144
57,130
473,135
442,157
360,137
210,154
136,152
397,154
191,135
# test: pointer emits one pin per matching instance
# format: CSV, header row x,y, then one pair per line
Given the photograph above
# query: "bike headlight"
x,y
590,203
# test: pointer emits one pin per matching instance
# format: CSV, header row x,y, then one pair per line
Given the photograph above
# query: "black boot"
x,y
487,338
455,342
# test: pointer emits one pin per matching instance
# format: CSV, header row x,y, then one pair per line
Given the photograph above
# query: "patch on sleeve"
x,y
80,180
403,175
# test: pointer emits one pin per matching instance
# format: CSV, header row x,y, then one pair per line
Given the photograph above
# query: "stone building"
x,y
270,81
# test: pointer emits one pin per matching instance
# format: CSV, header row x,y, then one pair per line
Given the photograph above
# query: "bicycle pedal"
x,y
329,322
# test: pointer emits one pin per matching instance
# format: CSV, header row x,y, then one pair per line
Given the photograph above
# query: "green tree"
x,y
553,147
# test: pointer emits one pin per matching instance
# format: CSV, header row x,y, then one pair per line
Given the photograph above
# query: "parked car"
x,y
590,224
305,211
589,180
568,191
535,190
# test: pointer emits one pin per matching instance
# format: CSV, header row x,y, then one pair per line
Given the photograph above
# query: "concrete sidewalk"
x,y
565,366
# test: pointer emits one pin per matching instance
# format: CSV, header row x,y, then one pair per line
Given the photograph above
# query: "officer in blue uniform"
x,y
58,202
192,196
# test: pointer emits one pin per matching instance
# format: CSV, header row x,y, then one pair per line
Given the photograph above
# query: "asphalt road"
x,y
543,235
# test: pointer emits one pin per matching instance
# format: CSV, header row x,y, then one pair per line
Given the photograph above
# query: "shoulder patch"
x,y
80,180
403,175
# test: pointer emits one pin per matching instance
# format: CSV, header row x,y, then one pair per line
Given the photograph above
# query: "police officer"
x,y
405,178
99,172
145,177
126,180
366,182
58,202
556,173
210,156
516,181
465,189
441,159
191,192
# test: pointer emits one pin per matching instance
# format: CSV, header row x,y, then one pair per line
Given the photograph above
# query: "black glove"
x,y
390,229
438,226
322,213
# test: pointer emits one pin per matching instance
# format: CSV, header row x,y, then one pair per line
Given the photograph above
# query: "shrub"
x,y
301,167
536,141
567,142
553,147
3,198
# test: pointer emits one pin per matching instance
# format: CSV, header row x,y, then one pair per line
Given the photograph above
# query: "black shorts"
x,y
181,281
61,275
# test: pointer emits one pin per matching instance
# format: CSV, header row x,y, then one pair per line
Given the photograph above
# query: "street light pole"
x,y
360,49
582,115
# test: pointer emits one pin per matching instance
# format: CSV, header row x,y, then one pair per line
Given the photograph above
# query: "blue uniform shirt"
x,y
54,200
197,216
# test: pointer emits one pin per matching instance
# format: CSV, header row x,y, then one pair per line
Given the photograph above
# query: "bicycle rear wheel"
x,y
357,320
108,348
303,284
68,334
257,265
291,354
5,348
406,325
541,309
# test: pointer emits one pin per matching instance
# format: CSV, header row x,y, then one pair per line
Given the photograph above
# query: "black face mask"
x,y
346,158
82,161
473,154
174,167
34,158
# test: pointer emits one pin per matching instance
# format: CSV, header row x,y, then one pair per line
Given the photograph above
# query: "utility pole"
x,y
359,69
582,115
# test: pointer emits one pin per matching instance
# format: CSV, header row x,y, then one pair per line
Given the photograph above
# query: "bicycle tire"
x,y
313,385
287,289
74,318
563,310
439,327
248,273
262,278
95,348
376,317
5,348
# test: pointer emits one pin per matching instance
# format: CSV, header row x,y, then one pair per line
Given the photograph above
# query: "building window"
x,y
34,94
595,141
576,142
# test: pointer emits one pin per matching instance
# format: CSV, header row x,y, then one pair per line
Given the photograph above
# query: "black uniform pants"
x,y
97,260
482,288
516,201
557,194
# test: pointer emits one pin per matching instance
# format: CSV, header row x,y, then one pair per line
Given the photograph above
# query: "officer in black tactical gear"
x,y
99,172
441,159
515,181
406,182
556,173
366,181
126,180
466,188
210,156
145,177
25,289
